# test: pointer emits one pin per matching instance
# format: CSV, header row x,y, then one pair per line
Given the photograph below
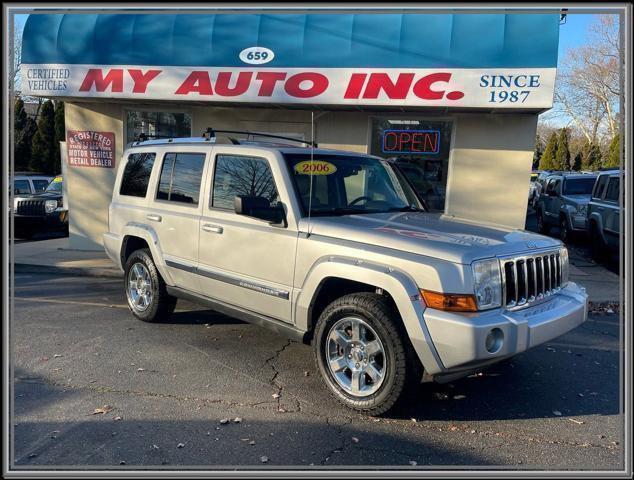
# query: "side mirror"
x,y
260,207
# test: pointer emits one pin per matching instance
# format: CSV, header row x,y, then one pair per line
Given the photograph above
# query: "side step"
x,y
277,326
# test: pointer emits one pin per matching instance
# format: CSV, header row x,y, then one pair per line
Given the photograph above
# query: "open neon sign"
x,y
411,141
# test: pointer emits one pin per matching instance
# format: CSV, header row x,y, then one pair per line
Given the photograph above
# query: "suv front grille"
x,y
530,278
30,207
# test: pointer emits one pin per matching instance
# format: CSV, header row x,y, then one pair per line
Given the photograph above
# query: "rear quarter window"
x,y
136,175
181,176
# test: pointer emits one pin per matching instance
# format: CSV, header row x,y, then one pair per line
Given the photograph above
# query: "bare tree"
x,y
588,85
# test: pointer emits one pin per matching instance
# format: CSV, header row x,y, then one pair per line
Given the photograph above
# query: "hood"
x,y
429,234
39,196
578,199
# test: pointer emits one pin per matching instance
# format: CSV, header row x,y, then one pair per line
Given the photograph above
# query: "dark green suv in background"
x,y
604,213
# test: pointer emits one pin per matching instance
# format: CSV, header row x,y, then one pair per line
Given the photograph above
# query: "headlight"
x,y
563,258
50,206
487,283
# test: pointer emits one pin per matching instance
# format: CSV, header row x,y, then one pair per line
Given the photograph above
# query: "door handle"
x,y
154,218
207,227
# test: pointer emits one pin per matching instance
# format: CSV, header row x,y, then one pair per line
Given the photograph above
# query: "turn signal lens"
x,y
452,302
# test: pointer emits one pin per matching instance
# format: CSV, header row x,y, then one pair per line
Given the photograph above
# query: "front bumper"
x,y
51,221
460,339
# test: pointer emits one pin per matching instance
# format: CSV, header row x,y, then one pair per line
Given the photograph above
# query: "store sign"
x,y
410,141
90,149
443,87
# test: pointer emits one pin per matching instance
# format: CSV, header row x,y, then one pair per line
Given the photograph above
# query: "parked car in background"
x,y
538,186
40,212
532,188
564,202
30,182
604,213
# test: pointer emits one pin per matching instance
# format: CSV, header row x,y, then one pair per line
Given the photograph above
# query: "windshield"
x,y
55,186
345,185
579,186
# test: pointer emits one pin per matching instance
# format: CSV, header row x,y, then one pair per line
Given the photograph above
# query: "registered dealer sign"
x,y
90,149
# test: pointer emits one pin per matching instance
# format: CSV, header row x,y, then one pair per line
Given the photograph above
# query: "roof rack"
x,y
209,136
211,133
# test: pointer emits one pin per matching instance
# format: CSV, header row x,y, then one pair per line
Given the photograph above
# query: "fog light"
x,y
494,340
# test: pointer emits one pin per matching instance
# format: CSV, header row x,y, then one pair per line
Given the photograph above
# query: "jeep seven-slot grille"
x,y
531,278
30,207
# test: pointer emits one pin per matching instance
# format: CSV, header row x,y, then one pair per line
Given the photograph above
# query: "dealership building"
x,y
453,97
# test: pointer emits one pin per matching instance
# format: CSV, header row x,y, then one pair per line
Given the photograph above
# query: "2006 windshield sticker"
x,y
316,167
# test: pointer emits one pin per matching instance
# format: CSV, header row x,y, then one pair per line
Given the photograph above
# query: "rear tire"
x,y
145,288
378,359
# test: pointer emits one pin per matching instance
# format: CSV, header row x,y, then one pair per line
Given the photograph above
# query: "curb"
x,y
72,271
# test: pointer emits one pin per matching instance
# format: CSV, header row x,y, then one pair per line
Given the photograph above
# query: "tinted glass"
x,y
579,186
21,186
152,125
55,185
612,194
241,175
345,185
136,175
181,175
600,186
40,185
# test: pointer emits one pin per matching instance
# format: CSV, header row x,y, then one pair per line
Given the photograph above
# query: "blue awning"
x,y
366,40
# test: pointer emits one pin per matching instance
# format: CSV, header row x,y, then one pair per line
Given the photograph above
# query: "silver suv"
x,y
334,249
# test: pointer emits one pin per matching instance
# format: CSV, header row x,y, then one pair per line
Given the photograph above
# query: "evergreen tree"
x,y
23,131
547,160
578,161
562,156
613,160
539,150
43,146
591,157
60,134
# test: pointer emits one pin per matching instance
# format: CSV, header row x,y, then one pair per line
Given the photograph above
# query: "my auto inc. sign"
x,y
443,87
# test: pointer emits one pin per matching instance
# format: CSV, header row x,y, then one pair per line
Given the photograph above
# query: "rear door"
x,y
244,261
175,208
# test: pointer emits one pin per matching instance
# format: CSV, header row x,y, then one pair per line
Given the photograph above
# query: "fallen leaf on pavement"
x,y
557,412
224,421
57,355
264,459
116,419
413,463
276,395
355,440
140,369
459,397
578,422
237,420
102,410
180,445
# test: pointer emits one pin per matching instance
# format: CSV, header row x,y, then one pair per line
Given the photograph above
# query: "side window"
x,y
599,187
241,175
136,175
557,186
612,194
181,175
550,185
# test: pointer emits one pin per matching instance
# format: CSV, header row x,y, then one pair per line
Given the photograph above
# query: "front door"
x,y
244,261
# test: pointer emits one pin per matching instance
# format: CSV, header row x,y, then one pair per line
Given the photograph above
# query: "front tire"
x,y
362,353
145,288
565,234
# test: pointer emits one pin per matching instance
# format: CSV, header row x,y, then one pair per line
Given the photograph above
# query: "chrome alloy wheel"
x,y
139,287
356,357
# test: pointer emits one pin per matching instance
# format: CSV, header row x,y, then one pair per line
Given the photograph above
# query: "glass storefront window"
x,y
155,125
421,149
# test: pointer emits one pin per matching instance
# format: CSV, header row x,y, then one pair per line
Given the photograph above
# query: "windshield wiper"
x,y
406,208
343,211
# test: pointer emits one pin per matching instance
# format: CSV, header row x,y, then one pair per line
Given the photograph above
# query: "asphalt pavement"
x,y
95,387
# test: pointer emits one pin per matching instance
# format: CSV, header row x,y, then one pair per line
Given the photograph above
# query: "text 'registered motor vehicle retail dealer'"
x,y
452,97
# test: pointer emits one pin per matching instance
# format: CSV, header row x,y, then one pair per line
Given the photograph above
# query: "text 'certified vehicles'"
x,y
334,249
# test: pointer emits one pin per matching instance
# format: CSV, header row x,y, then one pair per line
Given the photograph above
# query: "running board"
x,y
277,326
